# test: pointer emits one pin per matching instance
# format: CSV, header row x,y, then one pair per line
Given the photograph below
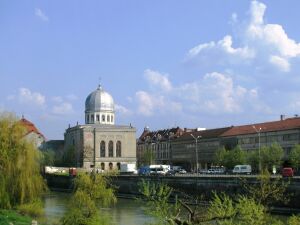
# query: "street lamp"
x,y
196,140
258,132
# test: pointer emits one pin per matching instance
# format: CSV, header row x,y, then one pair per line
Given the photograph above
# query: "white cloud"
x,y
63,108
26,96
259,45
122,110
282,63
39,13
157,79
72,97
222,51
214,93
57,99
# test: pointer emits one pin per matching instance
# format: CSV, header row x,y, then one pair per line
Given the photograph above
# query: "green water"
x,y
125,212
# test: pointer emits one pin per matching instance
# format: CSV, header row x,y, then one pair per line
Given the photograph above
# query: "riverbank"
x,y
12,216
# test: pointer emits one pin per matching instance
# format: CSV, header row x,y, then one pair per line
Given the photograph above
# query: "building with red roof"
x,y
32,133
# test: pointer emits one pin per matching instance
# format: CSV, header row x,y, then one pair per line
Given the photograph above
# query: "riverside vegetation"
x,y
251,208
21,184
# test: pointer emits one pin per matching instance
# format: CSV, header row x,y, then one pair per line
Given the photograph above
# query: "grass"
x,y
10,216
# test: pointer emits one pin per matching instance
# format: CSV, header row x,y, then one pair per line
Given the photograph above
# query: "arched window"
x,y
108,118
119,166
103,118
118,149
110,149
102,166
102,149
110,165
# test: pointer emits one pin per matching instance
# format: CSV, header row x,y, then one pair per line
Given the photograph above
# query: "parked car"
x,y
242,169
171,173
287,172
182,171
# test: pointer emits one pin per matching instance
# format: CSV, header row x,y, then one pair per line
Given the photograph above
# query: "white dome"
x,y
99,108
99,100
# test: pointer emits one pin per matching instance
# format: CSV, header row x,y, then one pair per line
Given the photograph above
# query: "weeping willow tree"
x,y
20,180
91,191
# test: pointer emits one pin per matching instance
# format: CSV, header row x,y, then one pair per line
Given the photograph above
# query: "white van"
x,y
242,169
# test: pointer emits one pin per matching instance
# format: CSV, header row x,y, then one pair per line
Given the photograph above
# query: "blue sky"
x,y
166,63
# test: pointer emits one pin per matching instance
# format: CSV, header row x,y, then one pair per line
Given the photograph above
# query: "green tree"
x,y
252,158
90,190
148,157
20,179
267,191
230,158
69,157
294,157
47,157
220,157
271,156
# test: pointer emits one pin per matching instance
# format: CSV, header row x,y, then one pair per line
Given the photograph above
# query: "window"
x,y
92,118
112,119
110,149
102,149
102,166
119,166
87,119
110,166
98,118
118,149
103,118
108,119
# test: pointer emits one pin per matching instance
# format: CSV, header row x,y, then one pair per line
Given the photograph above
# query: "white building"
x,y
99,143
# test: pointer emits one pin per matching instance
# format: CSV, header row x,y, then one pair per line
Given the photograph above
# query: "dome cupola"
x,y
99,107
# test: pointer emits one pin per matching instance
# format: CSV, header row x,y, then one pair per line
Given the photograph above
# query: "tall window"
x,y
118,149
102,149
110,149
102,166
112,119
103,118
108,118
87,118
98,118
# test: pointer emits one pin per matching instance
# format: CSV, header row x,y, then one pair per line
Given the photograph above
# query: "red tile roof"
x,y
285,124
30,127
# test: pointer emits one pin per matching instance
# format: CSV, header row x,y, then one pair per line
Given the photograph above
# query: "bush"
x,y
34,209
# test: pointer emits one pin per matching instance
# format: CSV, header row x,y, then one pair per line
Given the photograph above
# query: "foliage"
x,y
267,190
252,159
221,207
96,185
157,197
90,191
20,177
148,157
47,157
69,157
8,216
271,156
294,220
294,157
230,158
33,209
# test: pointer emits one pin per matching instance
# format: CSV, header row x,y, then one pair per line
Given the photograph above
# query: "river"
x,y
125,212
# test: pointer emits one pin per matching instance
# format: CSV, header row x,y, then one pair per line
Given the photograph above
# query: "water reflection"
x,y
125,212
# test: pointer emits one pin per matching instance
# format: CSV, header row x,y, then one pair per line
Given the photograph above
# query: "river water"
x,y
125,212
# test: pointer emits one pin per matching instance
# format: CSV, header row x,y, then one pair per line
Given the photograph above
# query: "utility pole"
x,y
196,140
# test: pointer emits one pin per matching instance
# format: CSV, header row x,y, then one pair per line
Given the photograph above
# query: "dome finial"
x,y
99,85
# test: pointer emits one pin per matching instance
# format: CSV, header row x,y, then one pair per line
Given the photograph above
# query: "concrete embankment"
x,y
191,185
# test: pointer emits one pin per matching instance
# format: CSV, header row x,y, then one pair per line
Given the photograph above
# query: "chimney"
x,y
282,117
